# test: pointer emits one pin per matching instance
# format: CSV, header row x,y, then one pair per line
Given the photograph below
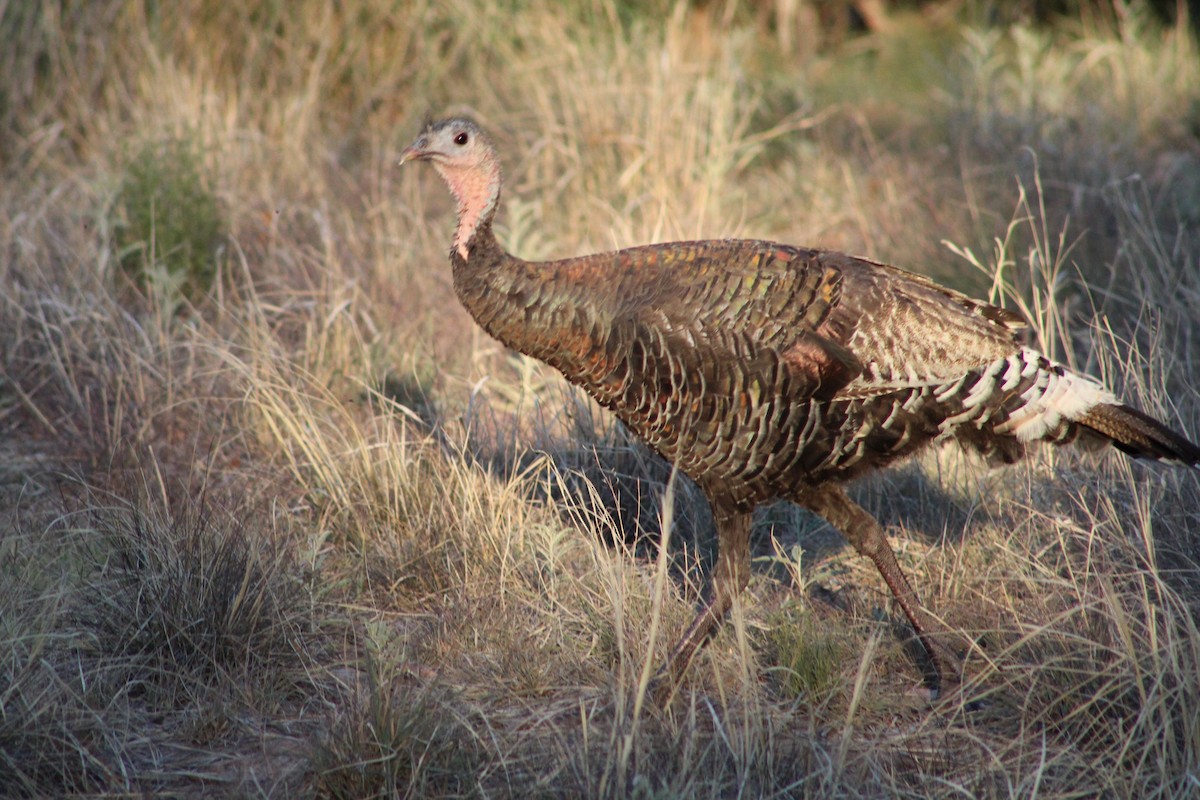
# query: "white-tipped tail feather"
x,y
1060,404
1057,396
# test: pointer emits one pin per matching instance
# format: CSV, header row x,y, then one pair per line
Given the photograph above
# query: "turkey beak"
x,y
415,151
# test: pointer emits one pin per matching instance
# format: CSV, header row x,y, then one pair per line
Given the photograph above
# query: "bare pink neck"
x,y
476,192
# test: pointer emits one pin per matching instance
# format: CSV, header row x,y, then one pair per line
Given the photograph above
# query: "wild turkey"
x,y
770,371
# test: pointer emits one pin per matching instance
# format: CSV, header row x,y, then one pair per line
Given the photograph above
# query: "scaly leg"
x,y
730,577
863,531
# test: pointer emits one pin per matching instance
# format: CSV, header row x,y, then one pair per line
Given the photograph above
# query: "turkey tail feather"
x,y
1139,435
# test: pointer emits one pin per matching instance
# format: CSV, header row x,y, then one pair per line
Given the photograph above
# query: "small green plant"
x,y
170,221
808,658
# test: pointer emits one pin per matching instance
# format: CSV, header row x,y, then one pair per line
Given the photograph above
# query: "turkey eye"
x,y
461,139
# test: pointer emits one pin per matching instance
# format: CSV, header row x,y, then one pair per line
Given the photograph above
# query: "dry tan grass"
x,y
310,533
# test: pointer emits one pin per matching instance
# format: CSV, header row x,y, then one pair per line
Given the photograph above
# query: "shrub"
x,y
170,226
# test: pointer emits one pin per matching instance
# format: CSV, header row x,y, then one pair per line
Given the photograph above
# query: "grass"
x,y
278,520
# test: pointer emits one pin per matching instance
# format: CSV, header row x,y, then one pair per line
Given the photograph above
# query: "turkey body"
x,y
766,371
756,367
